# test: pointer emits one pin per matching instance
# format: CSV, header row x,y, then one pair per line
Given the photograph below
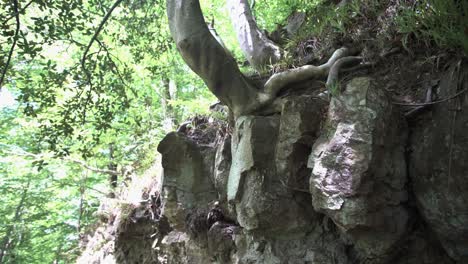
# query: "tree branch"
x,y
15,39
21,152
433,102
207,58
94,169
96,33
18,12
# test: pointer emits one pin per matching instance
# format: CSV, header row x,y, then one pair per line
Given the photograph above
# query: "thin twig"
x,y
86,166
108,55
15,39
294,188
73,184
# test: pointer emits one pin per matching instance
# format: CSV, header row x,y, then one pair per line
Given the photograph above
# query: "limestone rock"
x,y
187,171
359,170
300,123
347,157
261,201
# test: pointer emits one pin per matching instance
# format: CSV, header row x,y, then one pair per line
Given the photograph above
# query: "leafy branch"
x,y
96,33
15,39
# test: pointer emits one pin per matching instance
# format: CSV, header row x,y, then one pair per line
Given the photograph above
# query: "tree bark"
x,y
257,48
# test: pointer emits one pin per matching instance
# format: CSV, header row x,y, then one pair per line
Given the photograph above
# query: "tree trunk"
x,y
6,241
257,48
207,58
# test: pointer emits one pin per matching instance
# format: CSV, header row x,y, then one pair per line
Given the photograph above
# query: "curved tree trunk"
x,y
257,48
206,57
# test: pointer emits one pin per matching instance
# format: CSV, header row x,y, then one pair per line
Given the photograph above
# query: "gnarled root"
x,y
276,82
332,78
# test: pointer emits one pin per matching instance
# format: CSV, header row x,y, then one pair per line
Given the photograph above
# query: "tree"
x,y
206,57
85,75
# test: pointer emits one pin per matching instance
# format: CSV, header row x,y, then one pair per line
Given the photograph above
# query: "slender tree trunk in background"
x,y
6,242
57,254
80,212
112,177
169,115
82,193
257,48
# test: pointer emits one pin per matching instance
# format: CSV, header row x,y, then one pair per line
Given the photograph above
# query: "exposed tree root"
x,y
341,57
335,69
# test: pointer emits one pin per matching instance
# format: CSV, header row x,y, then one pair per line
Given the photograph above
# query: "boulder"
x,y
221,241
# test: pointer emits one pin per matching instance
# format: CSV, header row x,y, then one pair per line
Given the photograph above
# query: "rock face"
x,y
439,165
346,181
318,183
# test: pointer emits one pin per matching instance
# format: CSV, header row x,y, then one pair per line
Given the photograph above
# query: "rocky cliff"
x,y
356,178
